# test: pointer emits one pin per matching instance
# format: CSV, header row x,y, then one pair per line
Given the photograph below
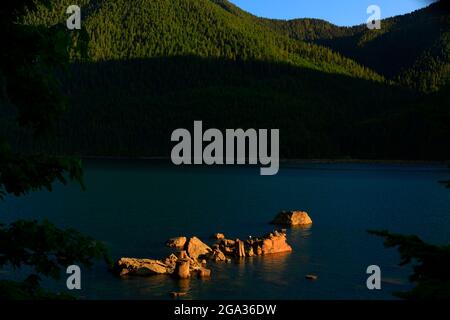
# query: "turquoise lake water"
x,y
135,206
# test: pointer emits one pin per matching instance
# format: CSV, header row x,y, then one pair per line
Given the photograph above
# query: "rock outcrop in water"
x,y
274,242
181,266
217,255
292,218
182,269
196,248
139,267
240,248
192,255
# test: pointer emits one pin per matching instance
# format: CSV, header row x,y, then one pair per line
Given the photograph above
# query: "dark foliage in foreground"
x,y
431,265
45,248
27,83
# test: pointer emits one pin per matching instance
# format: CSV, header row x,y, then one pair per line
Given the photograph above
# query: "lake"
x,y
135,206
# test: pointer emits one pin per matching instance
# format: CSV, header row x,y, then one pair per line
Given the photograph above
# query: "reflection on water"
x,y
184,285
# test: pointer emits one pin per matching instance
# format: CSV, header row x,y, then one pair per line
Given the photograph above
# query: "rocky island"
x,y
191,255
292,218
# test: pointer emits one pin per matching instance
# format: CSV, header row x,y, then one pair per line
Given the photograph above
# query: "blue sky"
x,y
340,12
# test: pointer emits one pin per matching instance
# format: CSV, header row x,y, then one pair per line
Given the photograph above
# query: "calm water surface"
x,y
134,206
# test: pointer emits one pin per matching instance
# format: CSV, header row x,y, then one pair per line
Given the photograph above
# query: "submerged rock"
x,y
139,267
292,218
311,277
178,294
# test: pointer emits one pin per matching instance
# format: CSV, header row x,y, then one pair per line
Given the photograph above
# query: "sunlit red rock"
x,y
196,248
182,269
292,218
177,242
140,267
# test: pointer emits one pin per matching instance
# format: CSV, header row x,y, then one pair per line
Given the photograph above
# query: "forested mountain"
x,y
412,49
123,29
156,65
305,29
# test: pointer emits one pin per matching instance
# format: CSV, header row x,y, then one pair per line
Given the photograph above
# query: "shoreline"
x,y
290,160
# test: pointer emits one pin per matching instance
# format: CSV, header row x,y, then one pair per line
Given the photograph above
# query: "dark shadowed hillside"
x,y
130,108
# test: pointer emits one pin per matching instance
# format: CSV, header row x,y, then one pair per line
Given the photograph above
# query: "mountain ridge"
x,y
191,27
411,49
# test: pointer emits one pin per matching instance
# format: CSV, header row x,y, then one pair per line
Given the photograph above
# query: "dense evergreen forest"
x,y
412,49
152,66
